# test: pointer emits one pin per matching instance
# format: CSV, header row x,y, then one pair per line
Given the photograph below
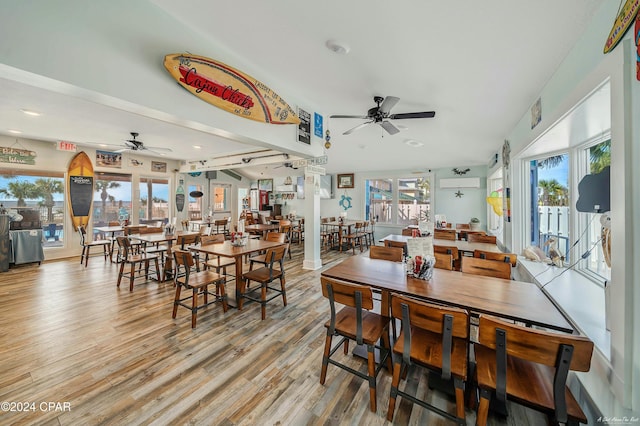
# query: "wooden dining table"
x,y
161,237
262,228
462,245
226,249
509,299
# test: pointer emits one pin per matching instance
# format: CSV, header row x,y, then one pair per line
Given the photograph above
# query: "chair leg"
x,y
371,367
222,291
483,408
176,300
121,273
325,358
157,269
86,257
263,300
194,307
459,388
132,276
284,291
397,367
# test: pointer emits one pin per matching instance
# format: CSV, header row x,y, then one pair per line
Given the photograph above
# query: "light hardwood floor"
x,y
68,335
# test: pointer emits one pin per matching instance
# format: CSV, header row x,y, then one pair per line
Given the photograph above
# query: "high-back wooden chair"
x,y
184,241
297,232
153,248
452,250
510,258
444,261
356,322
436,338
444,234
394,254
221,226
264,276
530,367
275,237
407,232
357,237
463,234
285,227
488,268
463,226
198,282
478,238
216,262
86,246
138,262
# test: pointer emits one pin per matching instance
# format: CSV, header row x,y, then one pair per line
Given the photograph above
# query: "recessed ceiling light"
x,y
337,47
414,143
103,145
15,132
29,112
197,146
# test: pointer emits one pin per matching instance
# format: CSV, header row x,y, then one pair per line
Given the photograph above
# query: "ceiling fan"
x,y
136,145
288,164
380,115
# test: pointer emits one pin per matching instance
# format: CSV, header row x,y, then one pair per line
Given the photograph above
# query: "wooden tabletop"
x,y
514,300
227,250
261,227
460,244
158,237
344,223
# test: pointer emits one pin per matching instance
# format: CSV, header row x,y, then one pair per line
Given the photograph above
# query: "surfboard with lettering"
x,y
228,88
622,23
80,189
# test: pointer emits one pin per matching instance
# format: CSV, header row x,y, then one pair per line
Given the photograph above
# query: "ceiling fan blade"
x,y
349,116
425,114
122,150
358,127
388,103
390,128
157,148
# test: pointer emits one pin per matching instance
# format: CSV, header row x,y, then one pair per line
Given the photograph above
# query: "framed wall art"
x,y
265,184
345,180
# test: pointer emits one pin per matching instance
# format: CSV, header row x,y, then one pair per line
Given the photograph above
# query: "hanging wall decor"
x,y
623,21
229,89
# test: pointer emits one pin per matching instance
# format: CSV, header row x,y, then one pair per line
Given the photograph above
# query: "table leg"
x,y
240,283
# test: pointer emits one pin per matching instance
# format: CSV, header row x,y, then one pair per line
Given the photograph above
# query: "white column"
x,y
311,222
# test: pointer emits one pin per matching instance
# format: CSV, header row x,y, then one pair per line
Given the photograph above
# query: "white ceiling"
x,y
479,65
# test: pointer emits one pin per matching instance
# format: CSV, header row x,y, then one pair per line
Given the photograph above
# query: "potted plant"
x,y
474,224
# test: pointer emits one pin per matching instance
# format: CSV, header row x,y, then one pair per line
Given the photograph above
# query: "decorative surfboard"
x,y
227,88
80,189
180,196
622,23
637,30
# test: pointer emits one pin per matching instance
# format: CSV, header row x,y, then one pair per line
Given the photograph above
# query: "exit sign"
x,y
66,146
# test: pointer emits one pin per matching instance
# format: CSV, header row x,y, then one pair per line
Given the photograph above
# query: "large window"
x,y
154,200
195,203
112,198
399,201
221,199
36,197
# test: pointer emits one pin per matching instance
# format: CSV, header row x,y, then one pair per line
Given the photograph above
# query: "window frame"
x,y
395,196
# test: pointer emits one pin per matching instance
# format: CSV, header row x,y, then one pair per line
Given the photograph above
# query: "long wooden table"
x,y
462,245
161,237
237,252
514,300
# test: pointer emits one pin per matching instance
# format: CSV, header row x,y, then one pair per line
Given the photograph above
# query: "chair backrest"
x,y
353,295
276,255
563,351
125,245
478,238
151,229
452,250
511,258
393,254
185,225
276,237
444,261
129,230
463,226
400,244
444,234
463,234
212,239
488,268
185,240
114,223
83,234
205,230
407,232
184,259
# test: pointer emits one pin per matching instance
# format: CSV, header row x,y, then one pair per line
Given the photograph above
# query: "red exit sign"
x,y
67,146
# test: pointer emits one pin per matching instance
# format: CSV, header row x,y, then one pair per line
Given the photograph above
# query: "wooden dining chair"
x,y
407,232
265,276
463,234
488,268
275,237
153,248
356,322
216,262
137,262
444,261
87,245
433,337
198,282
394,254
221,227
444,234
356,238
463,226
285,227
399,244
452,250
530,367
479,238
510,258
297,232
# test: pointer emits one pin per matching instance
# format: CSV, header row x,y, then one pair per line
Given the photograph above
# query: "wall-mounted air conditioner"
x,y
454,183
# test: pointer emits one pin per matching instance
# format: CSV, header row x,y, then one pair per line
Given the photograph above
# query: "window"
x,y
112,199
550,198
409,200
39,198
154,196
195,203
221,202
593,158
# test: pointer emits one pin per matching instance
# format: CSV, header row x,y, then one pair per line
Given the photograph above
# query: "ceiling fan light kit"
x,y
381,115
134,144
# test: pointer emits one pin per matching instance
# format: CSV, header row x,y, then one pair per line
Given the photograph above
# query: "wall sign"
x,y
17,156
304,128
229,89
622,23
317,124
